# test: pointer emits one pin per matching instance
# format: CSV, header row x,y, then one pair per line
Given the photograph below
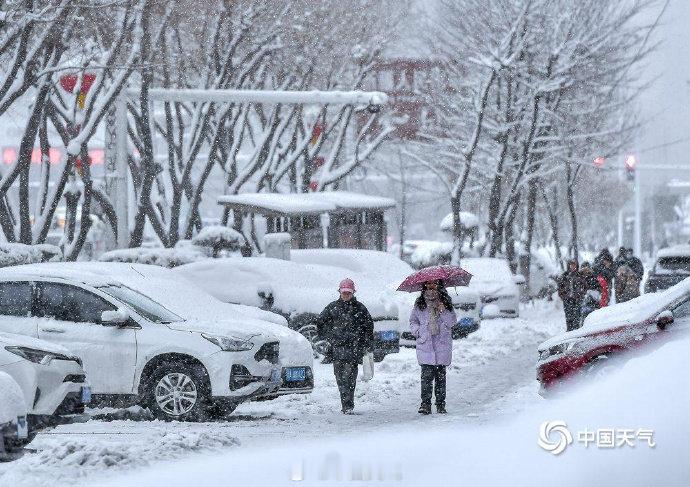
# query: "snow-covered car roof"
x,y
85,272
624,314
296,287
384,267
156,282
675,251
12,403
486,269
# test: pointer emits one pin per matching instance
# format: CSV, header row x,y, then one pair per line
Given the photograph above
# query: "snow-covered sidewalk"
x,y
492,376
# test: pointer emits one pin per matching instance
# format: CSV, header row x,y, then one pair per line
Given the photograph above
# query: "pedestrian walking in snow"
x,y
571,290
627,284
349,329
431,323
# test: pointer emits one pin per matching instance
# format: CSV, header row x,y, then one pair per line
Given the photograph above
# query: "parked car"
x,y
468,305
136,350
296,354
492,279
671,266
51,377
14,427
297,291
613,332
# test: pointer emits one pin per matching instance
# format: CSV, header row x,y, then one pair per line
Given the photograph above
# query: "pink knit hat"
x,y
347,285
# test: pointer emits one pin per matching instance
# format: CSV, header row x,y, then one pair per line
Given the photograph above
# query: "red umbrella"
x,y
451,276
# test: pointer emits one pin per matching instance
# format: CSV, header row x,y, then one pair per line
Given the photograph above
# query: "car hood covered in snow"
x,y
12,340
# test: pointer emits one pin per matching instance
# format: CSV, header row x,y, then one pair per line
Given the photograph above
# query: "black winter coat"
x,y
349,329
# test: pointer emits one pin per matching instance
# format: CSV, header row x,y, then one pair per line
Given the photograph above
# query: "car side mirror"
x,y
265,293
115,317
519,279
664,319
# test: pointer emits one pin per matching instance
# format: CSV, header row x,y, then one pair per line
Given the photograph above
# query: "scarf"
x,y
431,297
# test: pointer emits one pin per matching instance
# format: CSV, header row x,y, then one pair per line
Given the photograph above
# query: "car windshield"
x,y
674,264
142,304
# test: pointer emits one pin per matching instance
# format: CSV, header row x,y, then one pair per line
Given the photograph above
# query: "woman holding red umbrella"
x,y
431,323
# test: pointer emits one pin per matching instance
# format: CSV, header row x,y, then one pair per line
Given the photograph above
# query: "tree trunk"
x,y
570,197
531,211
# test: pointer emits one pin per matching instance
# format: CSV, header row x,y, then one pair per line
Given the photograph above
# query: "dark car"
x,y
672,265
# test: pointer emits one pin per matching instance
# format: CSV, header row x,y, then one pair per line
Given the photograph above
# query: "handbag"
x,y
368,367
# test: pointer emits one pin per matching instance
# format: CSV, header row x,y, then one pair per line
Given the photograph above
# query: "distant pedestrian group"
x,y
585,288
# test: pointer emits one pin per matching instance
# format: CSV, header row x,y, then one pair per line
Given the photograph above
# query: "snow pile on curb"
x,y
75,458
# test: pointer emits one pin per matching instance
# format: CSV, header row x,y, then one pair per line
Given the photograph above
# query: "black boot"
x,y
441,408
425,408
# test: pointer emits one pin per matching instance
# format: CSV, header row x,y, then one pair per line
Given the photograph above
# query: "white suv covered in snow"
x,y
135,349
51,377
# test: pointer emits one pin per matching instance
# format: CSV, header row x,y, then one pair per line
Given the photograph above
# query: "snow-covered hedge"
x,y
160,256
17,254
217,238
212,241
431,253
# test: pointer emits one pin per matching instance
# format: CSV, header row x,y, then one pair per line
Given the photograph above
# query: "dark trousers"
x,y
572,314
346,377
434,376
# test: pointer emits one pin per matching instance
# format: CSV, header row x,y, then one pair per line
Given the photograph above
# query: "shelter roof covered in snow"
x,y
280,204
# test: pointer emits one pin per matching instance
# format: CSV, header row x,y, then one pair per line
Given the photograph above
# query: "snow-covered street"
x,y
492,378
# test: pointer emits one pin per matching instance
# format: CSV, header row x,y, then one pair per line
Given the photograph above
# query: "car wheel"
x,y
178,392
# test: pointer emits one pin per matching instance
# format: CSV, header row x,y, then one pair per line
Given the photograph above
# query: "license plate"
x,y
295,374
275,375
389,335
22,428
85,394
466,322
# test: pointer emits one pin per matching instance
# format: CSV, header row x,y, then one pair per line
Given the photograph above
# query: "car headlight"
x,y
228,344
38,356
559,349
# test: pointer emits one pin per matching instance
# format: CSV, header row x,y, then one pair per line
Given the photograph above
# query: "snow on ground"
x,y
442,451
492,377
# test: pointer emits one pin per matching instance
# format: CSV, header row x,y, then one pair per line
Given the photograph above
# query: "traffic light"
x,y
599,162
630,163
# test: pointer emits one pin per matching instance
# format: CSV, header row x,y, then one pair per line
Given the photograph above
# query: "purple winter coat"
x,y
433,350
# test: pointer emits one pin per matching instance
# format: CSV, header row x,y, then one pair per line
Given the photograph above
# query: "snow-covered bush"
x,y
215,239
17,254
428,253
160,256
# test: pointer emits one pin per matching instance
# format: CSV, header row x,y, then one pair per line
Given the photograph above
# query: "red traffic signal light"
x,y
599,162
630,162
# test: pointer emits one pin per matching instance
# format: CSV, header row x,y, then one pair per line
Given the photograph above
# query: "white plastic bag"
x,y
368,367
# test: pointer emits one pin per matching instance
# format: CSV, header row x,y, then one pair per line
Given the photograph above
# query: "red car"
x,y
640,324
